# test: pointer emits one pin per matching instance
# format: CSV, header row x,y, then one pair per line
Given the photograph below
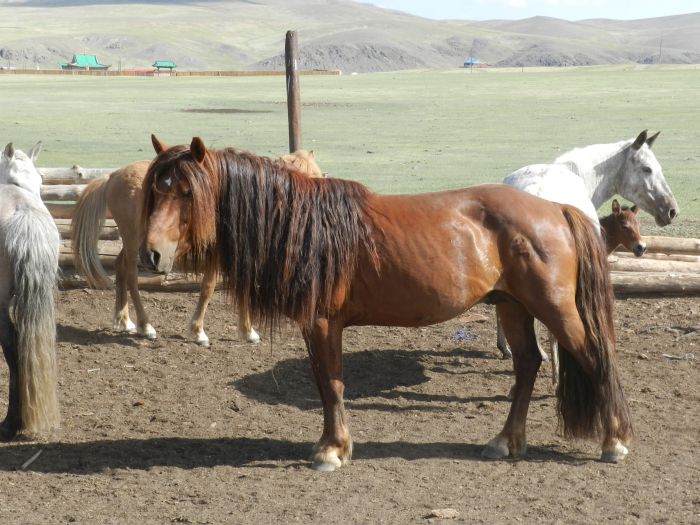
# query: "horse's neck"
x,y
599,166
607,224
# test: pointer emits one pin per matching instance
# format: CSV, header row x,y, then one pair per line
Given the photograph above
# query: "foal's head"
x,y
622,228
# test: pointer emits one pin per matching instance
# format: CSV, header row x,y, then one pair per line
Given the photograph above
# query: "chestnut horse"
x,y
121,193
328,253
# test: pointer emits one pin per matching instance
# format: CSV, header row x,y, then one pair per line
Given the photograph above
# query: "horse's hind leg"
x,y
206,292
569,331
324,344
121,321
518,326
8,340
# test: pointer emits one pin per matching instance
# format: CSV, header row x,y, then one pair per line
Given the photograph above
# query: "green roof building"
x,y
164,64
84,62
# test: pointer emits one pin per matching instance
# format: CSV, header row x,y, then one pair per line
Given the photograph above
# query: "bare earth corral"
x,y
167,432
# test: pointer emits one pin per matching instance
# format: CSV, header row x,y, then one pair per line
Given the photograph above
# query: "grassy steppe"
x,y
397,132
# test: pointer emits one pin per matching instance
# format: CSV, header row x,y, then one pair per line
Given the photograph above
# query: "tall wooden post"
x,y
291,60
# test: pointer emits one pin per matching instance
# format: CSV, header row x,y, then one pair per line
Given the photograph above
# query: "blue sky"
x,y
517,9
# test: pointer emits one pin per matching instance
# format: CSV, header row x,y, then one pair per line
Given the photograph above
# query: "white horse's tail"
x,y
88,221
32,248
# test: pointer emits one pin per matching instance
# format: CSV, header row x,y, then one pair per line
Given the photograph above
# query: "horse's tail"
x,y
88,220
32,246
591,403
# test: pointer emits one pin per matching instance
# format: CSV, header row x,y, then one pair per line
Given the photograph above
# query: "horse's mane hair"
x,y
288,244
285,244
582,161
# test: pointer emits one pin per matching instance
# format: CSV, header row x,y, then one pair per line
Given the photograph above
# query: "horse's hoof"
x,y
322,466
614,455
326,462
148,332
252,337
505,350
497,448
203,342
127,326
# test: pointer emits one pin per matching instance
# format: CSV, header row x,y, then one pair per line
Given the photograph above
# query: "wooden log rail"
x,y
671,265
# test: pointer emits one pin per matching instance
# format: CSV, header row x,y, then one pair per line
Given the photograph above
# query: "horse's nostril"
x,y
154,258
672,213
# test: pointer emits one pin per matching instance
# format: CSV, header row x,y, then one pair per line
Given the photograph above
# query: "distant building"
x,y
161,65
474,62
83,63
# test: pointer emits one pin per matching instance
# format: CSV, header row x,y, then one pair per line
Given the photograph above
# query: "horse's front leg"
x,y
143,324
518,326
206,292
324,344
8,340
245,326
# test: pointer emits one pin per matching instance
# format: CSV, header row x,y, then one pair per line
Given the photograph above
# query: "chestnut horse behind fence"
x,y
328,254
120,193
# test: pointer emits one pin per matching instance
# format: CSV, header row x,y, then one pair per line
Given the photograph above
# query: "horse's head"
x,y
624,229
179,207
17,167
642,181
303,161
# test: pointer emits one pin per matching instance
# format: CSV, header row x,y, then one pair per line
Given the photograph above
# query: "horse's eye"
x,y
186,194
646,169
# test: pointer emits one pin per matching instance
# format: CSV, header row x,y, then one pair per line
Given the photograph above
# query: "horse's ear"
x,y
640,140
159,146
650,140
616,207
34,152
9,151
634,209
312,154
198,149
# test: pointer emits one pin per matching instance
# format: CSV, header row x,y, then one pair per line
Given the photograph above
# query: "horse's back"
x,y
553,182
440,253
124,192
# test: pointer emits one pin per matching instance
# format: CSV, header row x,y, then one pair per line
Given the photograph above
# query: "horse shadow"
x,y
82,337
99,457
369,374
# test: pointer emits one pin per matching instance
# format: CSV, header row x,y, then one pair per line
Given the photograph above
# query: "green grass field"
x,y
396,132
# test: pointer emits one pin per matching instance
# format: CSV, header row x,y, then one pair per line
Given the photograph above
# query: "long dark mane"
x,y
287,243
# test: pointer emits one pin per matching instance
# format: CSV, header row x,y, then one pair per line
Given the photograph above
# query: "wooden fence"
x,y
671,265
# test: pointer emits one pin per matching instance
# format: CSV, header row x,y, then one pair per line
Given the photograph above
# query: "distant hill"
x,y
333,34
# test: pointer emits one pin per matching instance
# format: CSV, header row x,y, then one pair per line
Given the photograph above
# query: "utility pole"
x,y
291,59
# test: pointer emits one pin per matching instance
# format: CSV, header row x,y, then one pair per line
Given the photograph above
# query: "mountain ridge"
x,y
333,34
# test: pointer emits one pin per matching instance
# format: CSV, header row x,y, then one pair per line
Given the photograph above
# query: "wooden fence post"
x,y
291,60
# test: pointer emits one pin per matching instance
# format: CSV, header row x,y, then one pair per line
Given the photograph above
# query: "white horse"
x,y
628,168
29,245
587,177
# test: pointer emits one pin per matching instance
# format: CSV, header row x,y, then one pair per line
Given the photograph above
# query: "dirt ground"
x,y
167,432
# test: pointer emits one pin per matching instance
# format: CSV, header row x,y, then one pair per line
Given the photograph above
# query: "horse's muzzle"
x,y
639,249
154,262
